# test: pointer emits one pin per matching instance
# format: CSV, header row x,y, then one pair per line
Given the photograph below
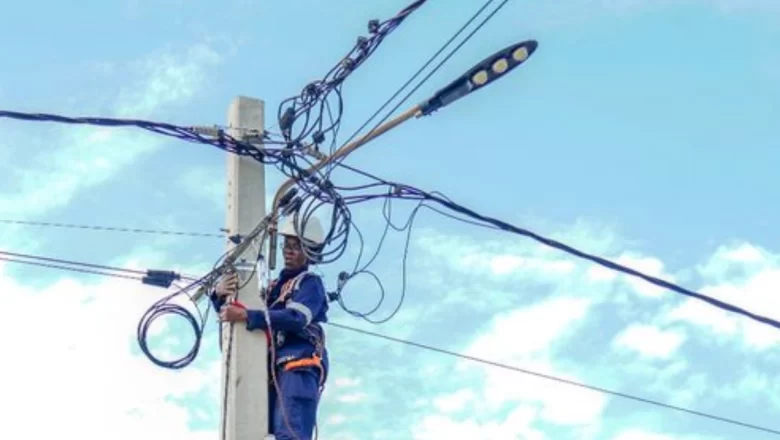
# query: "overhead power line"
x,y
425,66
558,379
448,353
107,228
319,191
68,268
394,190
77,266
72,263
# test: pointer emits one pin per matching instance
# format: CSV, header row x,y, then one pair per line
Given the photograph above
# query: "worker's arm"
x,y
303,306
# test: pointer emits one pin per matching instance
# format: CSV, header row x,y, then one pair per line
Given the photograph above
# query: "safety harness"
x,y
312,332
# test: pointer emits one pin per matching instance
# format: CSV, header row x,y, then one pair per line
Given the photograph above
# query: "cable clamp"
x,y
244,267
373,26
213,131
160,278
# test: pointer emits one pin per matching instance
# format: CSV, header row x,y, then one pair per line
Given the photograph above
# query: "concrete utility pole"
x,y
246,411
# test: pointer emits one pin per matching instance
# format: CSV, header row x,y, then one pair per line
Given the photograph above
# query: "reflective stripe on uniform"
x,y
298,279
305,311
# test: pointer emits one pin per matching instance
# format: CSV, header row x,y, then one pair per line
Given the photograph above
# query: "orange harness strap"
x,y
313,361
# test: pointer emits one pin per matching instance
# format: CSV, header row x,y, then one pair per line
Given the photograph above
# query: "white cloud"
x,y
529,335
206,184
558,402
516,425
454,402
650,341
336,419
746,277
523,338
642,434
636,434
524,332
70,361
345,382
82,157
356,397
505,264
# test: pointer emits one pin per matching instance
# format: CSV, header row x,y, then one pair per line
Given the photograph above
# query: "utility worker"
x,y
297,307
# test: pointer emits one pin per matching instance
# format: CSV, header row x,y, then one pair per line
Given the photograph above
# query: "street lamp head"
x,y
482,74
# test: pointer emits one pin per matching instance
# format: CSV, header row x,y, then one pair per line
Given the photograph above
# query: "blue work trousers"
x,y
300,395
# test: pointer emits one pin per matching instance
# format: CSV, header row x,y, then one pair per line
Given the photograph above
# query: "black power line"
x,y
558,379
464,356
69,268
107,228
64,264
425,66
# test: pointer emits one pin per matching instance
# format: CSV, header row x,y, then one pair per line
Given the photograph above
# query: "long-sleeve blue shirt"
x,y
306,305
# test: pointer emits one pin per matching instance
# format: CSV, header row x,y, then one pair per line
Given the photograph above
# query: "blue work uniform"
x,y
297,307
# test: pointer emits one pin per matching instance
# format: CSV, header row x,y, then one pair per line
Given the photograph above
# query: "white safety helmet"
x,y
313,234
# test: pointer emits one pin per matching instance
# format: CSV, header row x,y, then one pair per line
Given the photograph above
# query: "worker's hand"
x,y
227,285
231,313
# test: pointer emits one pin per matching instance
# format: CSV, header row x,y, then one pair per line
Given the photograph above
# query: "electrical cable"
x,y
345,278
198,323
163,307
593,258
417,73
432,72
107,228
71,269
311,96
73,263
313,103
271,347
158,309
76,263
488,362
300,107
557,379
321,190
410,193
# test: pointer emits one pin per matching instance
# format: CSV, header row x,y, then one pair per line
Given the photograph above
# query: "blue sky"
x,y
640,131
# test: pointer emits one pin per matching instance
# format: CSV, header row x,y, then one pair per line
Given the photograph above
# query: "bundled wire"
x,y
160,308
341,219
300,117
214,136
164,307
407,226
337,236
304,116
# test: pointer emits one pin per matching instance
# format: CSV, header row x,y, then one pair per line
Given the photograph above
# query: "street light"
x,y
479,76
